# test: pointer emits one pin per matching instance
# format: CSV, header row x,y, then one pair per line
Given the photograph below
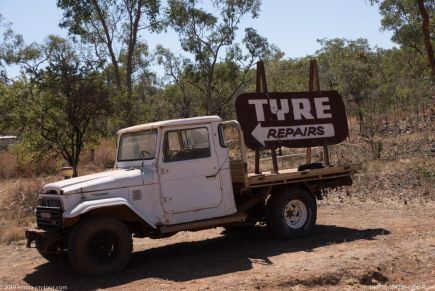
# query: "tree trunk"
x,y
75,171
109,44
426,34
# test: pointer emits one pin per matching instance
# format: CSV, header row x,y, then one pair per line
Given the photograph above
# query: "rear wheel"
x,y
100,245
291,213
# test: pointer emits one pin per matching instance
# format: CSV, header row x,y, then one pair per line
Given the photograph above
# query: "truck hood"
x,y
100,181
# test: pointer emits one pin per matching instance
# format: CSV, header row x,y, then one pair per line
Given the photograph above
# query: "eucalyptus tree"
x,y
346,66
114,27
53,111
216,66
412,23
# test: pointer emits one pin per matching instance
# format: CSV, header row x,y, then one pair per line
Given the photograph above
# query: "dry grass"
x,y
105,153
18,199
9,167
104,158
8,164
404,173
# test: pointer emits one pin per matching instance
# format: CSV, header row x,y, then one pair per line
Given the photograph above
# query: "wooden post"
x,y
260,67
257,162
313,85
326,154
261,86
274,161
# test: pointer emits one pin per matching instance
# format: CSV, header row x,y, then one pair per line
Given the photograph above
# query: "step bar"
x,y
203,224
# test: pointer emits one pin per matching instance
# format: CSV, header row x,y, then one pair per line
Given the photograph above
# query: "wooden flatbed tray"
x,y
293,175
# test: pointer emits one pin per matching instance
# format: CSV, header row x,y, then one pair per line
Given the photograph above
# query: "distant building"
x,y
6,140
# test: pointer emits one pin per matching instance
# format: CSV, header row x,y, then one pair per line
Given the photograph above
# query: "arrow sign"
x,y
292,119
288,133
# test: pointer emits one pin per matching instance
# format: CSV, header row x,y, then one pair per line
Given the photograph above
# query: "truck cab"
x,y
172,176
184,169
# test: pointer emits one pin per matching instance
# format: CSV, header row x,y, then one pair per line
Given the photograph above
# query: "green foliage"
x,y
347,66
403,18
113,27
219,68
61,109
412,24
428,173
284,75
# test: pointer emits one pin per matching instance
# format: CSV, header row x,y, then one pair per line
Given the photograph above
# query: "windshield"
x,y
137,145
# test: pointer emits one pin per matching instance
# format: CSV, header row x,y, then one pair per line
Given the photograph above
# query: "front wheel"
x,y
100,245
291,213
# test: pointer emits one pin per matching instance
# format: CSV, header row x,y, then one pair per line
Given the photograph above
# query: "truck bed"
x,y
293,175
286,176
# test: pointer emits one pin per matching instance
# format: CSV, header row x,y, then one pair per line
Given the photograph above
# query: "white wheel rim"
x,y
295,214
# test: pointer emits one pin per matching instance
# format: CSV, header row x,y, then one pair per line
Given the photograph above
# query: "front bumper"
x,y
32,234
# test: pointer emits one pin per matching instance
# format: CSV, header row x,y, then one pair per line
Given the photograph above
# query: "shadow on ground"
x,y
186,261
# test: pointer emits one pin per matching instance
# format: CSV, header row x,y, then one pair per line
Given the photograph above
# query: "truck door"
x,y
188,171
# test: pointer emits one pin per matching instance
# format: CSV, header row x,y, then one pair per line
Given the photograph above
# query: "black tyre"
x,y
100,245
50,248
291,213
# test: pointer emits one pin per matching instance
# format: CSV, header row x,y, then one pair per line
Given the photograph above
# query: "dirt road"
x,y
353,246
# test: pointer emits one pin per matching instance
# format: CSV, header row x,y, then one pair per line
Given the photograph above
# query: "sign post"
x,y
261,86
313,85
291,119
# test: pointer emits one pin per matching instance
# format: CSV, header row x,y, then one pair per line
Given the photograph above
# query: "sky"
x,y
292,25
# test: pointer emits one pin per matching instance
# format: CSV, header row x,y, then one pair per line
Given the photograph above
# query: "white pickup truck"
x,y
172,176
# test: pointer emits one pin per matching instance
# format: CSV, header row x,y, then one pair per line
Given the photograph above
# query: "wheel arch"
x,y
119,208
284,187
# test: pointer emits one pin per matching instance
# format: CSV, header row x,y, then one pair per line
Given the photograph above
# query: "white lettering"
x,y
304,110
259,108
279,112
321,107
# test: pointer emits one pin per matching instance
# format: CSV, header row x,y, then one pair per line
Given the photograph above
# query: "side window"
x,y
173,141
229,138
186,144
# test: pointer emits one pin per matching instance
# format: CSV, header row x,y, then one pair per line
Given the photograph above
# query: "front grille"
x,y
49,213
49,202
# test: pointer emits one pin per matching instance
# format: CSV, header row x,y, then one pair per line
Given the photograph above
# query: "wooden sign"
x,y
292,119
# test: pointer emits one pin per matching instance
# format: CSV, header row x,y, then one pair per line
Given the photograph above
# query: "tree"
x,y
113,27
210,39
285,75
175,71
347,67
54,112
425,27
412,24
